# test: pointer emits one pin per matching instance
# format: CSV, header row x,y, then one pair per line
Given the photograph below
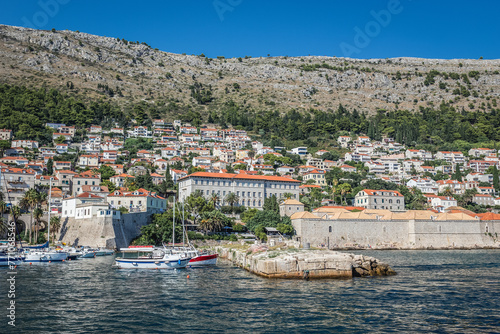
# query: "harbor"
x,y
434,291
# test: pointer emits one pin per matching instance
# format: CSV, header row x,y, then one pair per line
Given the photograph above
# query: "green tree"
x,y
60,140
196,204
106,172
266,218
496,184
37,214
3,208
214,221
30,200
271,204
344,189
458,173
285,228
161,228
111,186
248,214
239,228
215,198
232,199
169,183
4,144
55,225
50,166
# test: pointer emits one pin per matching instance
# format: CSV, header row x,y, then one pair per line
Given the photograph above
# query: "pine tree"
x,y
169,183
50,166
496,184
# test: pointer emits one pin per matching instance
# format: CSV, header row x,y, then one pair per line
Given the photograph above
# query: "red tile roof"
x,y
372,192
242,176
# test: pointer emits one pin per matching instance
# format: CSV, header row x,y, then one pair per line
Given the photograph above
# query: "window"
x,y
329,227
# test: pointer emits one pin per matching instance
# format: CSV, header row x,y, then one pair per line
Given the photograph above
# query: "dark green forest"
x,y
26,111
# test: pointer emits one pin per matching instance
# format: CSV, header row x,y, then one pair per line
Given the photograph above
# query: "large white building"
x,y
251,189
139,200
391,200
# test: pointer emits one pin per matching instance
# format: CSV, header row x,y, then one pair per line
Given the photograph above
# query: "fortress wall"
x,y
103,231
409,234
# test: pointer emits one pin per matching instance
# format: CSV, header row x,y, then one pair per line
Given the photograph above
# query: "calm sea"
x,y
434,292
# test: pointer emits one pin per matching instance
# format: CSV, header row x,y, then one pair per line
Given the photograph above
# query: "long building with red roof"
x,y
250,189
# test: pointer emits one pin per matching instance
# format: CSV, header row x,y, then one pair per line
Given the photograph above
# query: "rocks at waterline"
x,y
294,263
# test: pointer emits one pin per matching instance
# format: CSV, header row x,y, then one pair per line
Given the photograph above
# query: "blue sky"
x,y
233,28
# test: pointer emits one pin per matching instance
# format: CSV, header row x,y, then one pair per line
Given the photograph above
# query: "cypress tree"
x,y
495,178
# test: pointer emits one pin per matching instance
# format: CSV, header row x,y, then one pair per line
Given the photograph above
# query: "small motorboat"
x,y
73,253
88,253
45,256
204,258
151,258
104,252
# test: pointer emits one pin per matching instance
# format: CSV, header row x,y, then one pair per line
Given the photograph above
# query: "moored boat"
x,y
88,253
151,258
7,259
45,256
104,252
204,259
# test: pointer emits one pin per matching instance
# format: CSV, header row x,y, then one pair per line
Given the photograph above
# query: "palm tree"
x,y
30,200
213,221
232,199
55,225
287,195
3,207
15,211
215,198
38,214
344,188
3,226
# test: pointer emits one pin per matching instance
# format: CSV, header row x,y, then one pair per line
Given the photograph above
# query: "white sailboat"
x,y
153,258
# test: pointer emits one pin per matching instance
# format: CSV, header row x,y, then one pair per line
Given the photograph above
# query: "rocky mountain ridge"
x,y
123,71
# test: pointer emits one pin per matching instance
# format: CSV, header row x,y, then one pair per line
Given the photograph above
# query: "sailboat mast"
x,y
48,223
183,230
173,229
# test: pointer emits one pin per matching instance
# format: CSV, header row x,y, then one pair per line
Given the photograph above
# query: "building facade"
x,y
250,189
380,199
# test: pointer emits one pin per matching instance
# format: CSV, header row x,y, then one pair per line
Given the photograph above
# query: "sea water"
x,y
434,292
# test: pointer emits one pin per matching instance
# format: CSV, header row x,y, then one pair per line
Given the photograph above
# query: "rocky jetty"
x,y
293,263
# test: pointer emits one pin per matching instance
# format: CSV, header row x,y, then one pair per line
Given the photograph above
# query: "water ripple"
x,y
434,292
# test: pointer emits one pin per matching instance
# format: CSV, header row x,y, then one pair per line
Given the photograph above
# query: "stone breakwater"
x,y
293,263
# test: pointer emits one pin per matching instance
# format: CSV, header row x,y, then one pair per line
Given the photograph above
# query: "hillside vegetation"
x,y
79,79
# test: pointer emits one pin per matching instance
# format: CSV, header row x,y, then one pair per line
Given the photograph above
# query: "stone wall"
x,y
103,231
409,234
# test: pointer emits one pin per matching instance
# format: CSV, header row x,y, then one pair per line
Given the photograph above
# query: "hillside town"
x,y
97,172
